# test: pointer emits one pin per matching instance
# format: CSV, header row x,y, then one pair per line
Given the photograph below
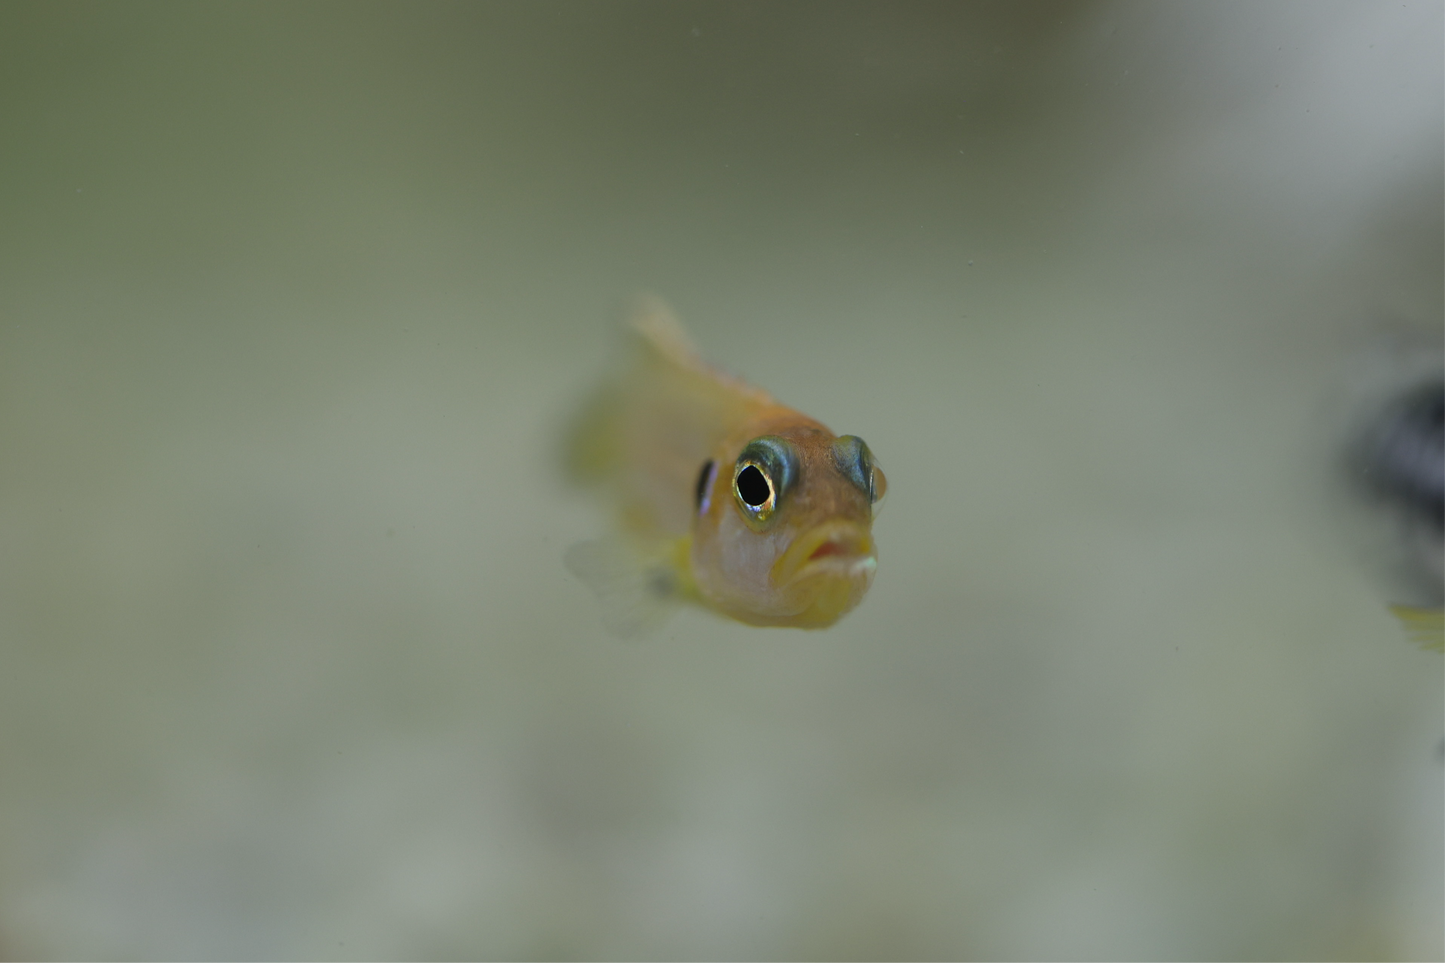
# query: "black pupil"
x,y
752,486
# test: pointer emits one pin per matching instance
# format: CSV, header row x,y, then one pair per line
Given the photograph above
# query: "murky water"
x,y
294,301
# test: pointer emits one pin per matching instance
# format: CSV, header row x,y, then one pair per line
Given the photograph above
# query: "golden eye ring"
x,y
754,491
763,473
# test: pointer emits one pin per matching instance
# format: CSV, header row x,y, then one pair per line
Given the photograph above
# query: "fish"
x,y
1425,627
1395,463
726,498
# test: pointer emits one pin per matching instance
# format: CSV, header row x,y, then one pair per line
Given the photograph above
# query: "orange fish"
x,y
728,499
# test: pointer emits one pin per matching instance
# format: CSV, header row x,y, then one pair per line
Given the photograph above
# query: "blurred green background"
x,y
296,297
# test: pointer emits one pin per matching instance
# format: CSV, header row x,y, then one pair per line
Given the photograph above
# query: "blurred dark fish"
x,y
1399,458
728,499
1395,461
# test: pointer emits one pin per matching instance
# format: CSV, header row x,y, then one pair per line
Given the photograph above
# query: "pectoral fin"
x,y
639,585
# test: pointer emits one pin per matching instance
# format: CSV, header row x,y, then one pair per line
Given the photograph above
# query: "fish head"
x,y
783,534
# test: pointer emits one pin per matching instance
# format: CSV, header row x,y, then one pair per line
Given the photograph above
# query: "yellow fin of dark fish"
x,y
638,584
1425,627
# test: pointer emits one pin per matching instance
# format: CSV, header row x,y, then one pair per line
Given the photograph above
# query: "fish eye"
x,y
702,496
857,464
763,474
754,492
753,487
880,489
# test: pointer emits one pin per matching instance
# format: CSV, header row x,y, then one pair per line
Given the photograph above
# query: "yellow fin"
x,y
649,430
595,439
665,340
652,320
1425,627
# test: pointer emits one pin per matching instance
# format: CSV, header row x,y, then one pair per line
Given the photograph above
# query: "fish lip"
x,y
842,548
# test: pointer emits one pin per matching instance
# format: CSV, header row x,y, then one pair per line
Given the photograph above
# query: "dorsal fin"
x,y
650,428
652,320
664,339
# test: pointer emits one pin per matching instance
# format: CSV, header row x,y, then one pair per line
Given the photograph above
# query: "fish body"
x,y
727,497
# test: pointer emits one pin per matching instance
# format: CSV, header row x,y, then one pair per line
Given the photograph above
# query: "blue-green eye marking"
x,y
855,461
763,474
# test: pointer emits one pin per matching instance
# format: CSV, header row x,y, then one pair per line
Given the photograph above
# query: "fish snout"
x,y
841,549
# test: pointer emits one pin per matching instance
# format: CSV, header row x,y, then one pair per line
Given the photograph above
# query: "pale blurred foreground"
x,y
295,298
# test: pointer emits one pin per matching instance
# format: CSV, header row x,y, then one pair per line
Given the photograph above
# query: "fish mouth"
x,y
840,549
